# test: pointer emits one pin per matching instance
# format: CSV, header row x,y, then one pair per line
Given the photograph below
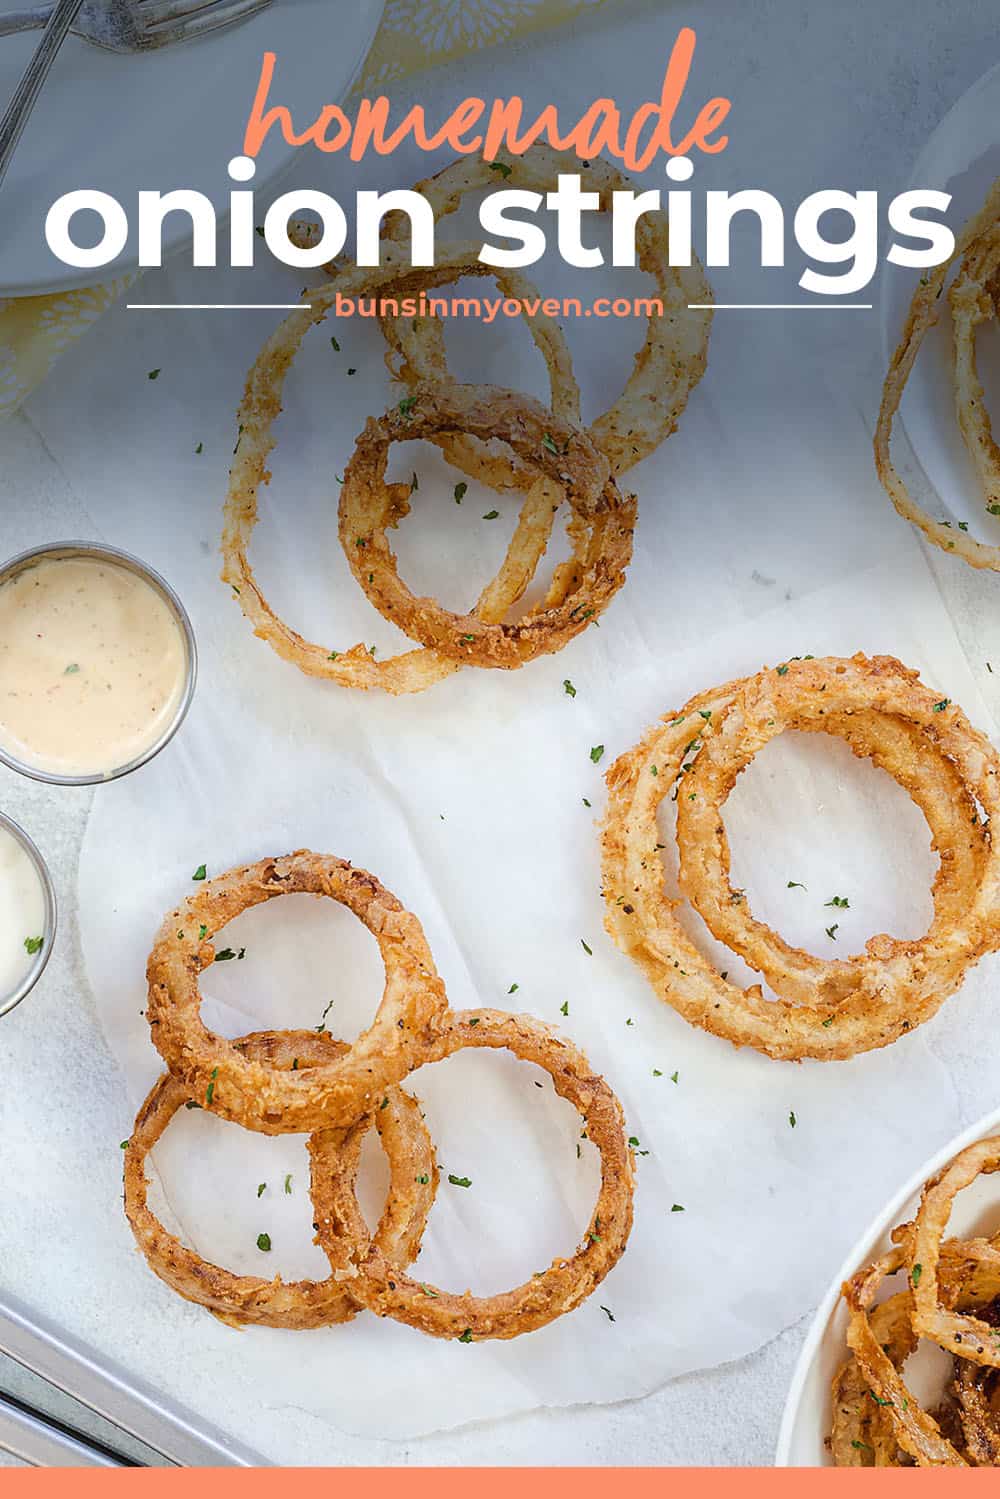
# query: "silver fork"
x,y
116,25
138,25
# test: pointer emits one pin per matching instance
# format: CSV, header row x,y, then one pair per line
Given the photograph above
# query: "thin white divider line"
x,y
216,306
781,306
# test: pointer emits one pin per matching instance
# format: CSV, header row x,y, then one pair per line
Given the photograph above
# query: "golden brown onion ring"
x,y
967,1336
973,301
673,357
416,355
412,671
245,1300
557,450
217,1075
642,921
876,1420
374,1283
804,694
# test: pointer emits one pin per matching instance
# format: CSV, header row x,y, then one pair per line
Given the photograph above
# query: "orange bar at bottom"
x,y
490,1483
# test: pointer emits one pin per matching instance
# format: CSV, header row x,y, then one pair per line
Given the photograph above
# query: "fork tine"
x,y
149,13
164,21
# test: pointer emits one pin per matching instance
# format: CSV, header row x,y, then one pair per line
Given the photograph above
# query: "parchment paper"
x,y
469,804
763,534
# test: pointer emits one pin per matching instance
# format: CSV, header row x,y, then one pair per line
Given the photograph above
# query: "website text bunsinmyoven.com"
x,y
488,309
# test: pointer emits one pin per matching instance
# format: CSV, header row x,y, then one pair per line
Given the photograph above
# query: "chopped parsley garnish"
x,y
200,872
502,167
460,1181
406,405
597,752
200,448
264,1243
33,945
71,670
334,345
513,988
944,703
466,1336
210,1090
795,885
915,1274
461,490
491,515
677,1208
288,1185
608,1313
792,1119
261,1189
831,931
588,950
153,375
564,1007
227,955
568,687
840,901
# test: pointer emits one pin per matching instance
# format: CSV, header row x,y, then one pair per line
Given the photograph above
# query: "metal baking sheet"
x,y
176,1434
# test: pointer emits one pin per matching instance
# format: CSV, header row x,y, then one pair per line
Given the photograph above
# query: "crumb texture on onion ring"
x,y
287,1082
823,1010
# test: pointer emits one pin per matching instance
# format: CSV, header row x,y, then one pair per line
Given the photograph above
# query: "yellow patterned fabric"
x,y
415,34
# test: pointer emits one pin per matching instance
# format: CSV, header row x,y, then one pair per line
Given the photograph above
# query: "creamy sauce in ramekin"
x,y
93,666
22,914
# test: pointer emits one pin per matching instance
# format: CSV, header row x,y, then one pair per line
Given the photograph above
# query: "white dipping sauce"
x,y
93,666
22,913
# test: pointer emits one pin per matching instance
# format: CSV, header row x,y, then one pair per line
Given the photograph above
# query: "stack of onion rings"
x,y
825,1010
952,1297
505,440
304,1082
972,297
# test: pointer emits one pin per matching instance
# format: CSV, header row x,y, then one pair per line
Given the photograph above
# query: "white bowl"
x,y
806,1421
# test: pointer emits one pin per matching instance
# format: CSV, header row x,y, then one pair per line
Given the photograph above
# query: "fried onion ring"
x,y
416,355
969,1336
876,1420
557,450
642,921
922,316
673,357
218,1075
369,1277
973,301
412,671
245,1300
804,694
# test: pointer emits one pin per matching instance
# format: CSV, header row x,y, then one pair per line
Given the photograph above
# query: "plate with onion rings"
x,y
852,1424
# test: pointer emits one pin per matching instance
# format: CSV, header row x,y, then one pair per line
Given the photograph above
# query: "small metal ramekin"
x,y
9,1002
132,564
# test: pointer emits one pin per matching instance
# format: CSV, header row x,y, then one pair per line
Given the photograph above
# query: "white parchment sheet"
x,y
469,803
762,534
